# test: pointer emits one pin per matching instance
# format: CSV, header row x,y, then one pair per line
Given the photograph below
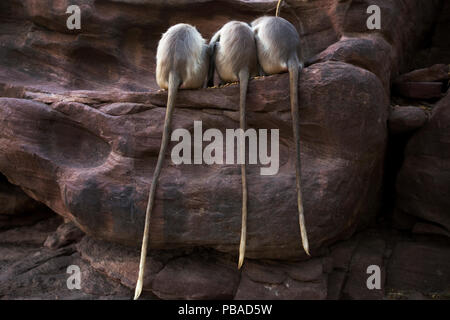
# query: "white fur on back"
x,y
193,60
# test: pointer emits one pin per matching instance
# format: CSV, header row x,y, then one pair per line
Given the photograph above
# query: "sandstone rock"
x,y
14,201
30,271
64,235
207,271
18,209
42,274
428,228
89,155
170,274
396,26
437,72
97,169
116,45
421,266
423,184
336,281
21,241
437,50
208,274
118,262
342,253
109,166
406,119
416,269
31,235
369,252
302,280
290,289
24,219
196,277
419,90
372,53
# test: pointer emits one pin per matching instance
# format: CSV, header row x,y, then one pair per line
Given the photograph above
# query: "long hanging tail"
x,y
243,80
174,82
277,12
293,82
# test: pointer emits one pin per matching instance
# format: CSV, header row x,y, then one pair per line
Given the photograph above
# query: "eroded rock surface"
x,y
28,270
423,183
116,45
406,119
18,209
412,267
95,168
82,134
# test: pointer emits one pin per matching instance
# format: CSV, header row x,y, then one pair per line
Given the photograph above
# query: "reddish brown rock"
x,y
369,252
396,26
208,274
428,228
64,235
30,235
437,49
97,169
341,257
437,72
341,253
18,209
423,184
421,266
372,53
89,155
30,271
288,290
121,263
116,45
196,277
415,270
341,274
336,281
302,280
406,119
419,90
13,201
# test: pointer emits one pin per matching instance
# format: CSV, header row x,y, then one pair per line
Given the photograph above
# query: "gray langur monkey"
x,y
234,58
182,61
278,49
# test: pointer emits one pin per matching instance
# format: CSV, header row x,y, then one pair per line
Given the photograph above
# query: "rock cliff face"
x,y
95,162
423,182
116,45
81,119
